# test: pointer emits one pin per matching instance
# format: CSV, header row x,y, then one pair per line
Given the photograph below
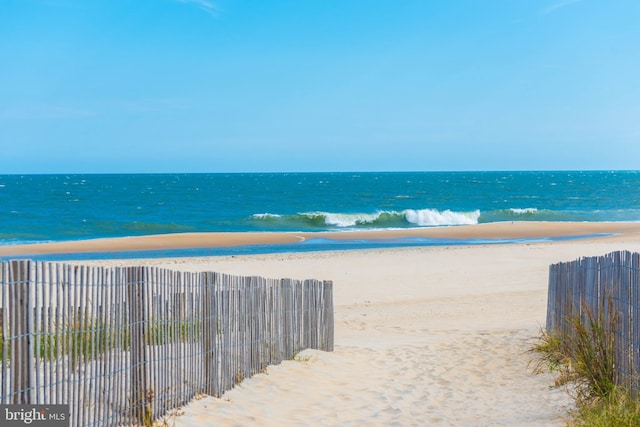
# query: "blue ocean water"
x,y
41,208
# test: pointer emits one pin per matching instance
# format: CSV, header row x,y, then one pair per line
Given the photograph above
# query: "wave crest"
x,y
432,217
525,211
380,219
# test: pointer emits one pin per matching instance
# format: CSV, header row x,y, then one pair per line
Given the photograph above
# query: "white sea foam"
x,y
385,219
524,211
349,220
379,219
266,215
433,217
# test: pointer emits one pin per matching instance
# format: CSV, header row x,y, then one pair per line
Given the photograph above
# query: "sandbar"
x,y
502,230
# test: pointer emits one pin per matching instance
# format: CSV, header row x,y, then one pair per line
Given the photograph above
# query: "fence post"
x,y
635,318
210,332
328,327
21,330
289,329
140,410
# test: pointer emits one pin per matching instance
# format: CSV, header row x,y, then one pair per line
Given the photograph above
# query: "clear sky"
x,y
318,85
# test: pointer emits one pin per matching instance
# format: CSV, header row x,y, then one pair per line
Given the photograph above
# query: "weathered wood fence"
x,y
606,287
124,346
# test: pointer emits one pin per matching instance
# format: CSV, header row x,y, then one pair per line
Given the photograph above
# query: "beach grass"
x,y
84,338
618,408
582,357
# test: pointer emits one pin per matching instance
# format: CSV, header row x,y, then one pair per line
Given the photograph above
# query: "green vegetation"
x,y
163,331
618,408
2,350
83,337
583,356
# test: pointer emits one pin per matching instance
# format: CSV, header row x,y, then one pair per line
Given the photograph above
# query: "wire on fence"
x,y
127,345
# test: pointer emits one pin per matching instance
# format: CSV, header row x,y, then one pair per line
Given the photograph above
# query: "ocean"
x,y
45,208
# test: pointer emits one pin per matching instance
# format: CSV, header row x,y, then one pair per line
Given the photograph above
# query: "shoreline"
x,y
489,231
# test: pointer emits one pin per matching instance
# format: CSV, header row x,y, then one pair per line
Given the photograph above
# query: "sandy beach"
x,y
424,335
503,230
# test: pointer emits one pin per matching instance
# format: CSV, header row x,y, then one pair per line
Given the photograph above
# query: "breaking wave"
x,y
380,219
320,220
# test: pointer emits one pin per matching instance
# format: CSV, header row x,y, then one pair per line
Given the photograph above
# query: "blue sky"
x,y
318,85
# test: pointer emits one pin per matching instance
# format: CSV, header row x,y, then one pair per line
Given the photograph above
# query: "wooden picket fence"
x,y
124,346
606,287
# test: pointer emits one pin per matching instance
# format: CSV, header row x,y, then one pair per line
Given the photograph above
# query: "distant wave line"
x,y
385,219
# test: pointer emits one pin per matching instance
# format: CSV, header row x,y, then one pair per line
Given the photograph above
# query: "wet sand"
x,y
503,230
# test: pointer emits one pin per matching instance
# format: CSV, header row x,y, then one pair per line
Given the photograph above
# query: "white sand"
x,y
424,336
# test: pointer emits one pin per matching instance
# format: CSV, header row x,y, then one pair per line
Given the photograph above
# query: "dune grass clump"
x,y
582,355
618,408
